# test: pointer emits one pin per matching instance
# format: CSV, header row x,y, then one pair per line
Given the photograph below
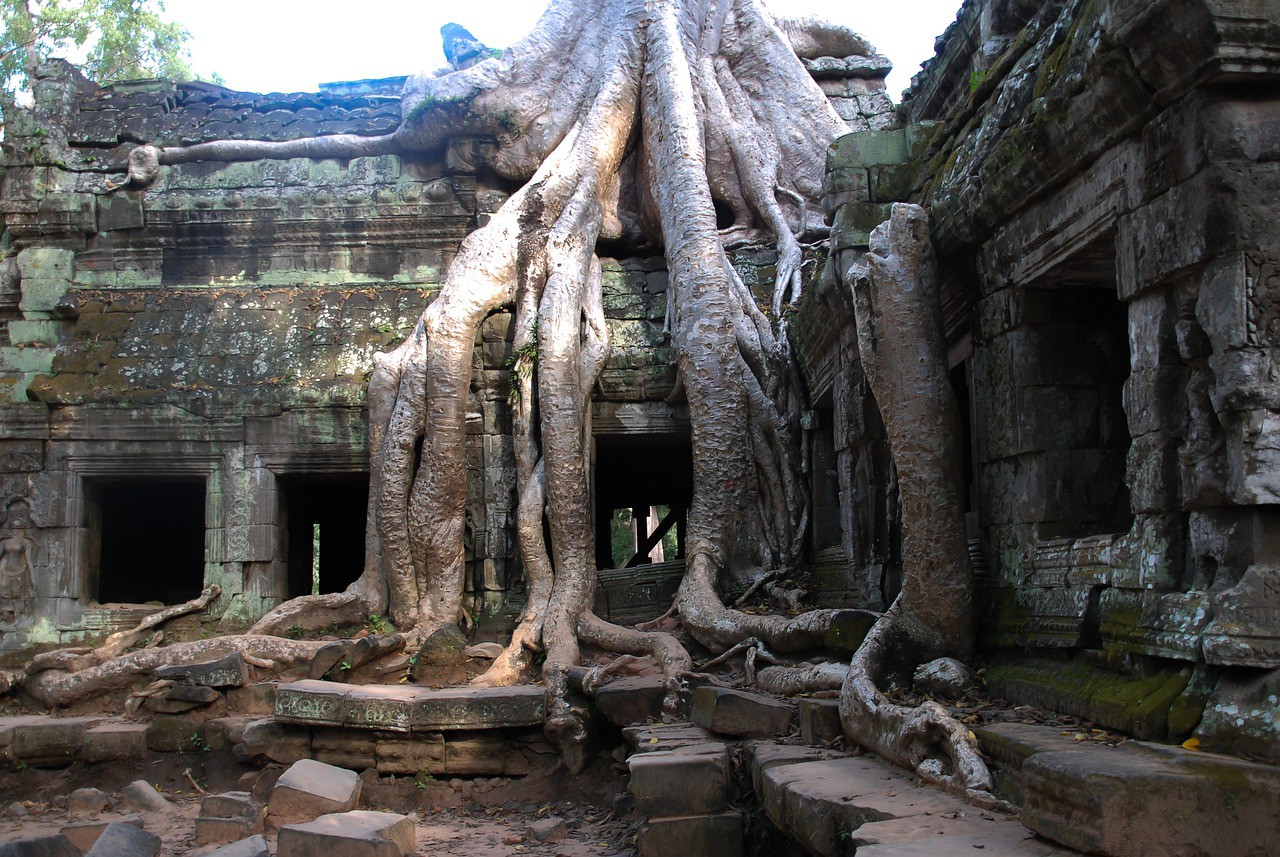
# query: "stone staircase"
x,y
702,786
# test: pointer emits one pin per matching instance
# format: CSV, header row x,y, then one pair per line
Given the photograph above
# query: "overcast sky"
x,y
292,45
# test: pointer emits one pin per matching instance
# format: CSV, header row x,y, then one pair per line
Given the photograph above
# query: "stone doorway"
x,y
643,485
323,518
146,540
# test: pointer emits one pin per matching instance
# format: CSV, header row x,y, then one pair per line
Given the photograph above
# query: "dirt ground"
x,y
479,817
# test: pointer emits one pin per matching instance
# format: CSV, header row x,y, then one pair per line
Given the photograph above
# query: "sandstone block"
x,y
52,845
255,698
735,712
363,833
819,721
142,796
222,733
87,801
268,739
403,709
223,672
125,840
692,836
310,789
84,834
51,741
180,699
254,846
635,699
174,733
551,829
115,741
1144,799
217,831
688,781
231,805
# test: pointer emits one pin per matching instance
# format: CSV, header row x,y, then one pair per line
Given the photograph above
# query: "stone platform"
x,y
405,708
1137,798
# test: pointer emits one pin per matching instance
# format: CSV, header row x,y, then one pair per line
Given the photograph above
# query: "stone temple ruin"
x,y
184,373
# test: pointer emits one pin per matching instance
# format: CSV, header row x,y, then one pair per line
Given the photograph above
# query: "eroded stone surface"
x,y
717,835
363,833
125,840
740,714
309,789
402,708
688,781
818,803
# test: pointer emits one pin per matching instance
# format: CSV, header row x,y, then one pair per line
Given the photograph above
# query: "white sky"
x,y
293,45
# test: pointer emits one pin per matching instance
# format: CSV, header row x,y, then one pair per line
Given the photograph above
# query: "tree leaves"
x,y
109,39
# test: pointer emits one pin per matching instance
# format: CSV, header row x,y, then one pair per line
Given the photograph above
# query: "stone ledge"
x,y
397,708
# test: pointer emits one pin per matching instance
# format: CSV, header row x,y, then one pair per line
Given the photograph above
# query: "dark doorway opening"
x,y
324,519
643,485
150,541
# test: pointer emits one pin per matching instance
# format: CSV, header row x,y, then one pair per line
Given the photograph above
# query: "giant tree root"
x,y
926,738
56,688
628,120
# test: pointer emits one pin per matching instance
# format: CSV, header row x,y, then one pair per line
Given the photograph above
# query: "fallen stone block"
x,y
52,845
692,836
310,789
362,833
182,698
115,741
84,834
635,699
229,671
819,721
550,829
87,801
217,831
254,846
231,805
688,781
740,714
125,840
267,739
142,796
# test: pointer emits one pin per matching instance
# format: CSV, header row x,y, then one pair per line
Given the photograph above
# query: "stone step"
x,y
405,708
1137,798
46,741
830,801
652,737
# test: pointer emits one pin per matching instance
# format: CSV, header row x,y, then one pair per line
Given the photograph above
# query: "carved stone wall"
x,y
217,332
1103,186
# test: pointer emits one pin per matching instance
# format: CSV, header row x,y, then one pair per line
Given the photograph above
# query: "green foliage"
x,y
378,624
522,363
109,39
976,79
295,632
